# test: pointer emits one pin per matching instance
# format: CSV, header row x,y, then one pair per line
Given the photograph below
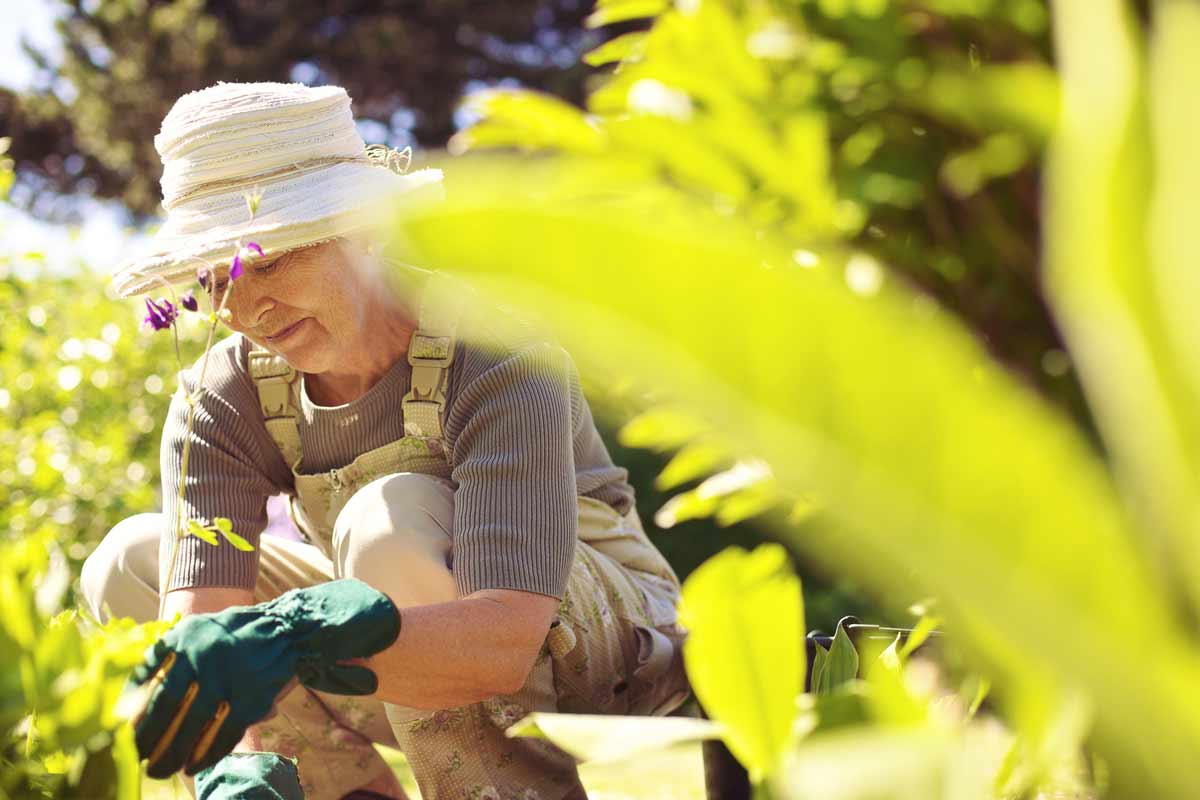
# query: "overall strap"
x,y
275,381
430,352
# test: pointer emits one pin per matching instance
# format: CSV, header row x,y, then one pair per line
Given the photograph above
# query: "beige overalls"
x,y
614,647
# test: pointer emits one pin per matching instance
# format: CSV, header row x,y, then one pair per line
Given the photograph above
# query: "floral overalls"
x,y
614,647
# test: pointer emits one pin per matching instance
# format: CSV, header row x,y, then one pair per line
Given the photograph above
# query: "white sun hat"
x,y
294,145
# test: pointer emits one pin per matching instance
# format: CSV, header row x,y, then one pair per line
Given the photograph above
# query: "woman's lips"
x,y
286,332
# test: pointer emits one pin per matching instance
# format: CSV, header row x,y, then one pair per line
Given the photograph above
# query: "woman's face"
x,y
310,306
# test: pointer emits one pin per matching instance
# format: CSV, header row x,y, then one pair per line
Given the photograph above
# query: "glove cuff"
x,y
238,776
368,617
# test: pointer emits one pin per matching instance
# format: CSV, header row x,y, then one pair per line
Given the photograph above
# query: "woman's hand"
x,y
213,675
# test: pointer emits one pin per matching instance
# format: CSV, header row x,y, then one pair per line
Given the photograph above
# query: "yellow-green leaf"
x,y
619,48
609,11
744,653
195,528
604,738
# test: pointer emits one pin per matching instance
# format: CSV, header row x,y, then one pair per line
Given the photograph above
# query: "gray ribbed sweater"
x,y
519,433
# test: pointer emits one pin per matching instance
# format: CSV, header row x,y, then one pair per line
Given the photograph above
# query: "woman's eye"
x,y
266,268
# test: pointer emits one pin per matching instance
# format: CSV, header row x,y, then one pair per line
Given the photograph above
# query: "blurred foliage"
x,y
89,121
62,731
890,724
728,245
744,652
83,395
912,129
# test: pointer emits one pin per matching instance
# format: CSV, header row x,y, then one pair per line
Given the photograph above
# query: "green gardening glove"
x,y
214,675
250,776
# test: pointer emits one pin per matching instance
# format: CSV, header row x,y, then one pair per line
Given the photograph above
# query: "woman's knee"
x,y
394,533
121,574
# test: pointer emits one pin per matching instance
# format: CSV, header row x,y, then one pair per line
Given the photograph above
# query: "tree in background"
x,y
89,122
935,115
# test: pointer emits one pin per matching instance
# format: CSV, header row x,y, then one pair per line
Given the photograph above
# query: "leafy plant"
x,y
936,471
62,729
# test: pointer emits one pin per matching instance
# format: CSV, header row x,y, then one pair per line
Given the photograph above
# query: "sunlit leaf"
x,y
906,764
618,48
661,428
596,738
685,506
744,652
841,663
226,529
512,117
197,529
1109,275
927,482
692,461
746,503
919,635
610,11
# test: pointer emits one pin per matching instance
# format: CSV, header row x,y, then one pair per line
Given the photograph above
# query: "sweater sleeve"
x,y
515,508
229,475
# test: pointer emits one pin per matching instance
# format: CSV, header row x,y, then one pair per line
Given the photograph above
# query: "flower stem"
x,y
192,401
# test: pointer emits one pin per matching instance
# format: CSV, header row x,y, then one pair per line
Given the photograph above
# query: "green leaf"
x,y
841,708
609,11
906,764
889,695
619,48
125,757
890,657
197,529
692,504
744,652
237,541
661,428
527,119
982,688
1121,277
692,461
604,738
817,680
747,503
920,633
842,664
1022,96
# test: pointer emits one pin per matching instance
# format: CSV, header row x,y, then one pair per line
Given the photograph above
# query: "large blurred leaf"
x,y
744,652
869,764
1111,281
944,476
599,739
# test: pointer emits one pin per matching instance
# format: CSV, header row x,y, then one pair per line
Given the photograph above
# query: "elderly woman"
x,y
471,552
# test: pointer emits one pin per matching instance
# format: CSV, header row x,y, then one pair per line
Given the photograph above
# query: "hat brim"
x,y
294,211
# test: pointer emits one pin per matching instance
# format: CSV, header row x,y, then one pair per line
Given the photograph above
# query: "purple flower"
x,y
235,269
160,315
202,276
188,301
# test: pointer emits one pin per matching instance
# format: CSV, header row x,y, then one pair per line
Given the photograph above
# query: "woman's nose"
x,y
247,304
